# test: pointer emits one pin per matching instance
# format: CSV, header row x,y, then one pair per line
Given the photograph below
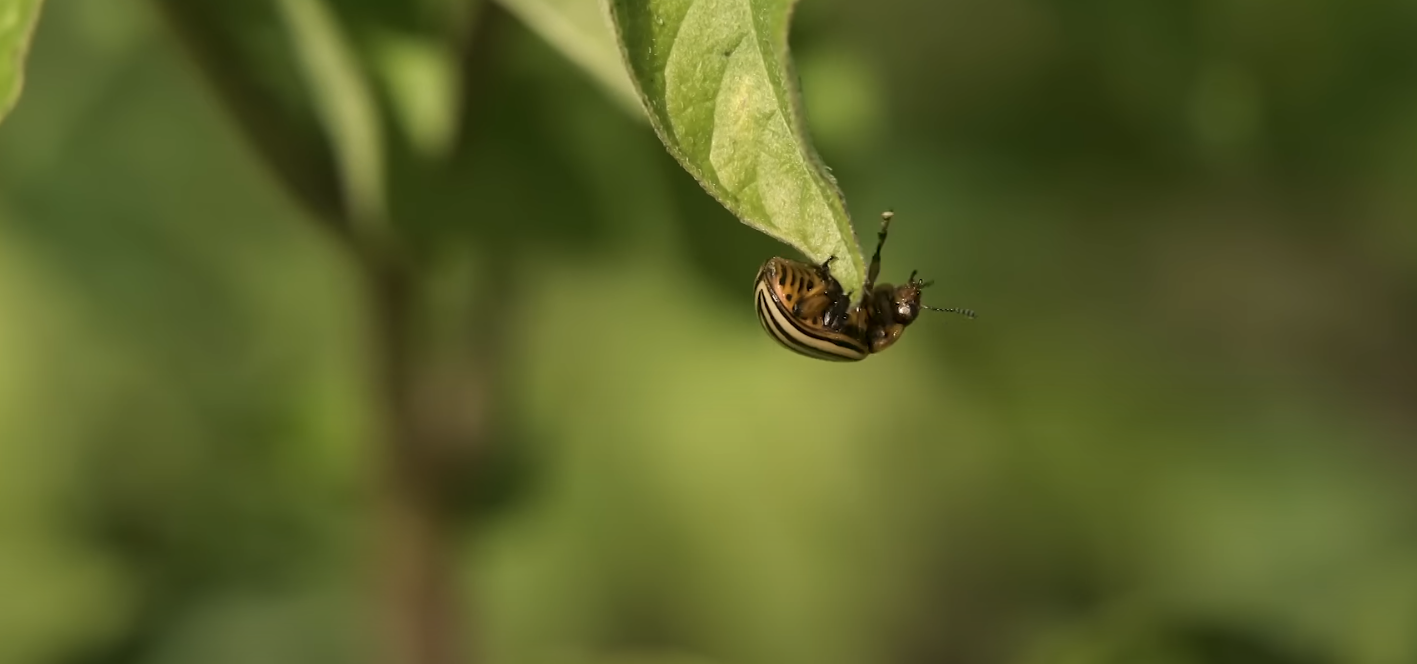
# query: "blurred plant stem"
x,y
415,531
431,380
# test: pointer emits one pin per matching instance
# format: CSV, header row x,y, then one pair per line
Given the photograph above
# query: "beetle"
x,y
804,308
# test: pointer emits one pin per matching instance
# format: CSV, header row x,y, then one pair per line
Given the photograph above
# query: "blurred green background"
x,y
1184,428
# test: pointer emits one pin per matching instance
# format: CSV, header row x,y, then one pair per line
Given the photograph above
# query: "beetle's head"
x,y
905,302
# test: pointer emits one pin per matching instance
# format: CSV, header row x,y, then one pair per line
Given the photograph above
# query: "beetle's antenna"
x,y
967,313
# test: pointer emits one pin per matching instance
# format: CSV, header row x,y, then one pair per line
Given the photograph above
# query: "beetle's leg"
x,y
834,316
875,269
824,282
837,314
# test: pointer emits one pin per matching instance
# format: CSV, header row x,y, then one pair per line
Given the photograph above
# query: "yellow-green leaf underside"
x,y
717,81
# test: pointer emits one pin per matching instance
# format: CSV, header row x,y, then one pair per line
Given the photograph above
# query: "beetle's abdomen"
x,y
791,299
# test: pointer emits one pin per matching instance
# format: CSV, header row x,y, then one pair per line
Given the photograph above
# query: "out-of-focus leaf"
x,y
415,53
721,92
245,55
345,104
581,31
424,88
17,21
306,79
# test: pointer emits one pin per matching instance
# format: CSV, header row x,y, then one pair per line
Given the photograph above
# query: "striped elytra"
x,y
792,301
804,308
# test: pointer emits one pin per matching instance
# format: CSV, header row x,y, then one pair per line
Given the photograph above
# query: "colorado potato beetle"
x,y
803,307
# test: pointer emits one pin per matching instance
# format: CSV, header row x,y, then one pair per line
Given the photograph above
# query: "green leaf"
x,y
417,53
580,30
717,80
346,106
17,21
243,51
312,84
424,87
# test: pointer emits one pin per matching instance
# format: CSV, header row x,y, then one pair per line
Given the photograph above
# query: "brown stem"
x,y
433,427
416,531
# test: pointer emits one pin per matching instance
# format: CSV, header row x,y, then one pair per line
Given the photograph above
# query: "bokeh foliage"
x,y
17,20
1181,433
